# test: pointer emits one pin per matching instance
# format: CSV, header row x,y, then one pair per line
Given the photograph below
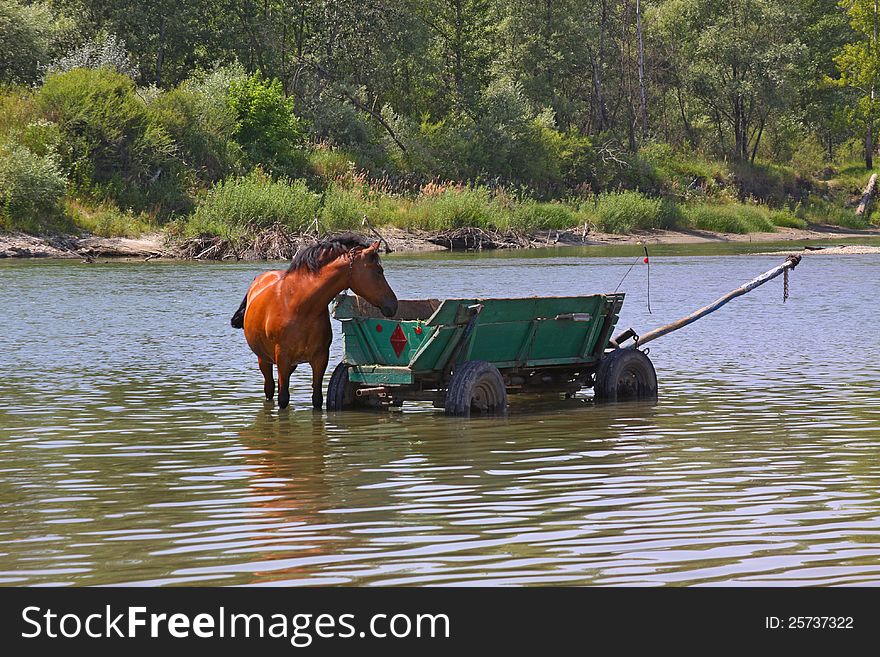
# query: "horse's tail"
x,y
237,320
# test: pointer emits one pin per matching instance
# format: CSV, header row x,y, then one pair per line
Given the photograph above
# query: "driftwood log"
x,y
867,195
477,239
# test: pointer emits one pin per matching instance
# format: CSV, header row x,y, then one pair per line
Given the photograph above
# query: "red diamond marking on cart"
x,y
398,340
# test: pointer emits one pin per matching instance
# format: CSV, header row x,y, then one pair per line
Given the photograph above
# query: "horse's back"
x,y
263,281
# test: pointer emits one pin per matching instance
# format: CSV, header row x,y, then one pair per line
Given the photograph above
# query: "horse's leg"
x,y
285,369
319,366
268,380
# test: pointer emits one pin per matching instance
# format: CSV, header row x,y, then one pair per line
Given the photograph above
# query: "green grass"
x,y
819,211
851,178
344,209
677,171
531,215
457,207
787,219
235,204
106,220
330,163
623,212
728,217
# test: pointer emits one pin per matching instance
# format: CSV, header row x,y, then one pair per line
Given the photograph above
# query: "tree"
x,y
167,39
461,49
859,65
30,35
738,58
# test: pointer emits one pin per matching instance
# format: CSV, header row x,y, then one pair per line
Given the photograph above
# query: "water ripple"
x,y
144,454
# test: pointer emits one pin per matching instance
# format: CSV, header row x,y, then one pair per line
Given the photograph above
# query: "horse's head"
x,y
368,279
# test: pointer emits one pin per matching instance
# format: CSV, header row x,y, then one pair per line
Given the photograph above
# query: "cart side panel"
x,y
378,341
498,342
432,353
536,331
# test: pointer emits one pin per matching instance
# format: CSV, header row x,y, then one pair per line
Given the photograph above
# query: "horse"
x,y
284,313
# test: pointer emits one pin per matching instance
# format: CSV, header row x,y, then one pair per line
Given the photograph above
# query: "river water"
x,y
135,447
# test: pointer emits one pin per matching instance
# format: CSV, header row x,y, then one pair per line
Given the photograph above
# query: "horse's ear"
x,y
373,247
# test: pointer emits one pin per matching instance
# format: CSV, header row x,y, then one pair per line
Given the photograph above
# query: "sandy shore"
x,y
152,246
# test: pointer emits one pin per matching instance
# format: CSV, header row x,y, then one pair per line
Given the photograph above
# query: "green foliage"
x,y
728,217
732,55
682,173
31,187
330,163
808,157
233,205
344,208
202,130
746,101
17,111
27,32
111,146
457,207
622,212
787,219
531,215
106,220
819,211
267,129
769,183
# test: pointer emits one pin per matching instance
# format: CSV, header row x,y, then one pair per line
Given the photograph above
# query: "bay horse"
x,y
285,317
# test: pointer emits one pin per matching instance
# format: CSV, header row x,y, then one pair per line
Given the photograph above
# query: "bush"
x,y
809,157
267,129
107,220
621,212
337,121
17,110
202,129
530,215
331,163
25,35
233,205
103,52
787,219
111,147
818,211
344,209
728,218
769,183
683,174
30,189
457,207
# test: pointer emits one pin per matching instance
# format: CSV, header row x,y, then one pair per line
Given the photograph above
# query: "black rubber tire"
x,y
476,388
341,391
626,375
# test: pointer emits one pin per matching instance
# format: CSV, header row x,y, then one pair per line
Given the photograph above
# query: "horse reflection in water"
x,y
301,478
285,317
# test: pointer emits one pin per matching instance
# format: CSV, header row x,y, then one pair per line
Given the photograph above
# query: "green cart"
x,y
467,355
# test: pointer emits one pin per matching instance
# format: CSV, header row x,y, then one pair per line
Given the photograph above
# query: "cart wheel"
x,y
476,387
341,392
626,375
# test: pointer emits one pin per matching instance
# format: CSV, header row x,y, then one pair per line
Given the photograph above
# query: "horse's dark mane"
x,y
325,251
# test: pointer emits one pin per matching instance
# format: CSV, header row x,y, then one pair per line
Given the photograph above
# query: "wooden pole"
x,y
867,195
790,263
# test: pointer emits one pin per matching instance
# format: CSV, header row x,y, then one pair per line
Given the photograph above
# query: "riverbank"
x,y
157,246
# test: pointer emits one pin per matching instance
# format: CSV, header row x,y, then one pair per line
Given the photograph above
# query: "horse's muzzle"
x,y
389,309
